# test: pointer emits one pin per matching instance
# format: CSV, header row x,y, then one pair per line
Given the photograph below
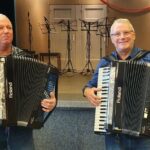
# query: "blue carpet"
x,y
69,129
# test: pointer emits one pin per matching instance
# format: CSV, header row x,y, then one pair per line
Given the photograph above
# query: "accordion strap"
x,y
138,56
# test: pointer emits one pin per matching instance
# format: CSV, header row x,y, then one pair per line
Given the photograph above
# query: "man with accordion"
x,y
121,133
21,135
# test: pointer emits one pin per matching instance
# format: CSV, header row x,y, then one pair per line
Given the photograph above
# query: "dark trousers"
x,y
16,138
125,142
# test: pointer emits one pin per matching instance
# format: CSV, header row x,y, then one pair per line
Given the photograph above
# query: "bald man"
x,y
17,138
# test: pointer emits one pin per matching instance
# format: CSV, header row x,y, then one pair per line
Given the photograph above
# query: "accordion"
x,y
125,99
24,82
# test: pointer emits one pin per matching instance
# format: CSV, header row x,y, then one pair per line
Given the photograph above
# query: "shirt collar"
x,y
133,53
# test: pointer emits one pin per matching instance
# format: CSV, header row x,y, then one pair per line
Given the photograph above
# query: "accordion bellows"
x,y
23,83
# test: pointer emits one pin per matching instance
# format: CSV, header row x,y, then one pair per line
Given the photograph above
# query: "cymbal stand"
x,y
88,27
68,28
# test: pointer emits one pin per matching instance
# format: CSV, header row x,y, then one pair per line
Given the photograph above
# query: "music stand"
x,y
88,27
47,28
67,25
103,28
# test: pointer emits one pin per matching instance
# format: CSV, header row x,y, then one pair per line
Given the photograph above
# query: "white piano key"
x,y
101,111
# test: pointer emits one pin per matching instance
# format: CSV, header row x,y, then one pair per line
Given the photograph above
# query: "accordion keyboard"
x,y
101,110
104,112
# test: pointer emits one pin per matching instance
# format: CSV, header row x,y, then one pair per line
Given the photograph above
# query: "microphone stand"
x,y
30,32
48,38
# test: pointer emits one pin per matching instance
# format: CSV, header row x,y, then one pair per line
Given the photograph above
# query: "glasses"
x,y
118,34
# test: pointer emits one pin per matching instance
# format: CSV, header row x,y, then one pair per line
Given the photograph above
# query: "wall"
x,y
40,8
36,9
79,39
75,2
140,20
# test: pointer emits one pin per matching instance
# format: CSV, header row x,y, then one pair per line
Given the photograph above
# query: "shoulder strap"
x,y
109,58
141,54
138,56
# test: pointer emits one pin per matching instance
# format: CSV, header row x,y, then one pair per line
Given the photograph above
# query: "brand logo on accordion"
x,y
10,90
119,95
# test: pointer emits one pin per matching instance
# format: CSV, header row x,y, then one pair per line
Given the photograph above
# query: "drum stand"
x,y
68,66
86,26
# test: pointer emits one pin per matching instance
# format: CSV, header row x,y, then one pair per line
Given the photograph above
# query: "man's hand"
x,y
49,104
90,94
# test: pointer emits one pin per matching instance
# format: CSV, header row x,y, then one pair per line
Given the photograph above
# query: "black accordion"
x,y
125,103
24,82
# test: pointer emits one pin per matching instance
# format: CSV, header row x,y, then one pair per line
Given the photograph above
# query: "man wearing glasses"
x,y
122,36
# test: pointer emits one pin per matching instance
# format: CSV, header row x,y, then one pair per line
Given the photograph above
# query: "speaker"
x,y
7,7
